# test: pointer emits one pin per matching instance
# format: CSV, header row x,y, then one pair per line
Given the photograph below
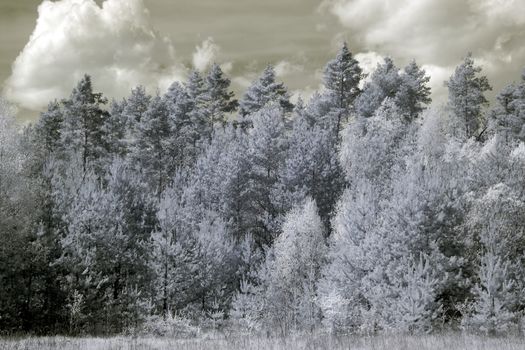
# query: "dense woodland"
x,y
361,210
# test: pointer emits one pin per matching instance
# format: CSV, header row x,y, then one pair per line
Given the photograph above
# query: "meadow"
x,y
394,342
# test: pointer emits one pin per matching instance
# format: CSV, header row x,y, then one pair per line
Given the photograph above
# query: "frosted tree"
x,y
342,77
282,294
299,254
193,256
49,126
371,151
24,266
220,179
264,91
84,118
495,222
267,150
408,89
153,152
466,97
201,125
136,105
384,83
311,167
496,296
133,109
116,131
508,116
414,92
222,100
106,247
408,300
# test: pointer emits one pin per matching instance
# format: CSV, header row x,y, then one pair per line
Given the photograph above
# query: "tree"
x,y
414,93
267,149
508,117
384,83
48,128
264,91
299,255
133,109
311,168
28,298
466,88
153,152
221,101
193,256
83,124
282,294
342,77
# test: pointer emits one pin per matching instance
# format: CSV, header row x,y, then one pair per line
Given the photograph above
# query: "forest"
x,y
365,209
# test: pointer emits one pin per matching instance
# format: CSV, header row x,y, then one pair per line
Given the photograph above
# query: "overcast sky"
x,y
46,46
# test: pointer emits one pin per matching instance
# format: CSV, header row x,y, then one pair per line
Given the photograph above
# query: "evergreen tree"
x,y
508,117
153,153
342,77
267,150
221,101
414,93
48,128
466,88
263,91
84,118
384,83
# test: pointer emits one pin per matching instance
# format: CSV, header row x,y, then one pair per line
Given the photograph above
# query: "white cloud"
x,y
115,43
368,61
438,33
205,54
284,68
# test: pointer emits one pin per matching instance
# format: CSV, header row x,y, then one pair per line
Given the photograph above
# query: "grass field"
x,y
434,342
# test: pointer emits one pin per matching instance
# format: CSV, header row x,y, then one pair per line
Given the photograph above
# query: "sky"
x,y
46,46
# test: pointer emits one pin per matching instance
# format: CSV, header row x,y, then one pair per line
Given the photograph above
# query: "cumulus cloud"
x,y
438,33
284,68
369,61
205,54
115,43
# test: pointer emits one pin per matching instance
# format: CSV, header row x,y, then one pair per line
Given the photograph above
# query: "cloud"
x,y
205,54
368,61
438,33
284,68
115,43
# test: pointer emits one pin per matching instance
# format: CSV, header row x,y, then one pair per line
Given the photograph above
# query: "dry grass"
x,y
434,342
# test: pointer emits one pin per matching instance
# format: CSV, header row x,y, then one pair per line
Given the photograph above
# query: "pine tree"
x,y
508,117
83,124
133,109
264,91
267,147
466,95
153,153
221,101
299,255
414,93
384,83
311,167
48,128
342,77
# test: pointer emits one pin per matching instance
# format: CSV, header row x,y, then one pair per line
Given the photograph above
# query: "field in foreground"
x,y
434,342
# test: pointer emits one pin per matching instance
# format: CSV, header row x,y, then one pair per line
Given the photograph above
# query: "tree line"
x,y
360,210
